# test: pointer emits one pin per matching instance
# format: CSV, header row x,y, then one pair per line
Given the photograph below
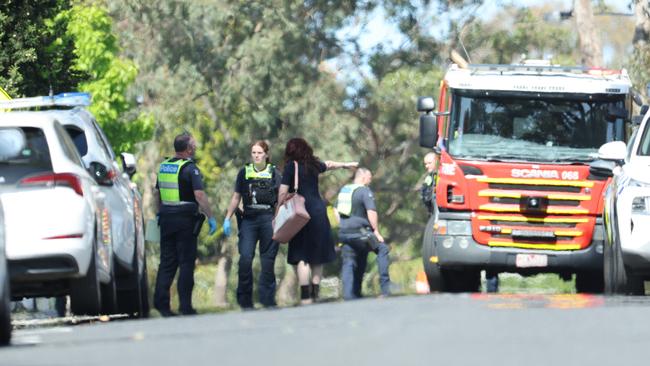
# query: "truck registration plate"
x,y
531,260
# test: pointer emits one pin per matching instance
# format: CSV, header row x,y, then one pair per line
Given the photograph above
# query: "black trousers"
x,y
178,247
251,230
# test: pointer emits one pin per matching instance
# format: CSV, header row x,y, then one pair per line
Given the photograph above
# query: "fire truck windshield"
x,y
531,126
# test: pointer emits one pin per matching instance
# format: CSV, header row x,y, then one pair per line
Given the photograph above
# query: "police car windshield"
x,y
528,127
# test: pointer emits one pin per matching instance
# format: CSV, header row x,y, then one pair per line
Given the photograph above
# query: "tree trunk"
x,y
287,291
642,24
590,43
221,279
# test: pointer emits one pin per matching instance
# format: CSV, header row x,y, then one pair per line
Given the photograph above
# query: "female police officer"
x,y
257,184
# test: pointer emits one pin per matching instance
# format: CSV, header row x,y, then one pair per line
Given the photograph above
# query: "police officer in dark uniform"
x,y
428,189
257,185
180,197
358,231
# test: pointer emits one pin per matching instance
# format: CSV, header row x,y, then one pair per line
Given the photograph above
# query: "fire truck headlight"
x,y
463,243
459,228
448,242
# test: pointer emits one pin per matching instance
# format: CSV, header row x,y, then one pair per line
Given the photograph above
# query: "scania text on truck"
x,y
514,191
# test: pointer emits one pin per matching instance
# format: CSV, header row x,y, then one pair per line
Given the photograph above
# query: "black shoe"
x,y
189,312
166,313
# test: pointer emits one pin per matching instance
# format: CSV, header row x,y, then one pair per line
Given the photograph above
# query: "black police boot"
x,y
315,289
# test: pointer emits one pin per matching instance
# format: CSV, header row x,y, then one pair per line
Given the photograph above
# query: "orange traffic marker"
x,y
421,283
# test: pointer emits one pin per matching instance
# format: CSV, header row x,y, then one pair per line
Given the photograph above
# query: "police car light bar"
x,y
60,100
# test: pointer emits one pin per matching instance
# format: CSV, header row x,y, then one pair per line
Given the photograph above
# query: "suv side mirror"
x,y
100,172
12,143
128,164
613,151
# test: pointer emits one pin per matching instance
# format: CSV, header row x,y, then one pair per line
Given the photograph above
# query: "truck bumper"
x,y
462,251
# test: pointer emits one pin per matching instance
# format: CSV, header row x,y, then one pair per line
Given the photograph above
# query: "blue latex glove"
x,y
213,225
226,227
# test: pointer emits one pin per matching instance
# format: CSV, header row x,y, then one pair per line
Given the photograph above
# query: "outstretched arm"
x,y
338,165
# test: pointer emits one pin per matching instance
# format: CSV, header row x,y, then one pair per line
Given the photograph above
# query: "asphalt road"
x,y
466,329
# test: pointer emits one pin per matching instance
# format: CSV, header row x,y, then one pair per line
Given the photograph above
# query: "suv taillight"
x,y
55,179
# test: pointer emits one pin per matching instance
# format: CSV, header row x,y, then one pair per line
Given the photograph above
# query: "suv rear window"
x,y
35,158
78,136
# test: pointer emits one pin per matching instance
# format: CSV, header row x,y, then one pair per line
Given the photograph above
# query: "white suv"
x,y
626,211
123,201
5,295
54,218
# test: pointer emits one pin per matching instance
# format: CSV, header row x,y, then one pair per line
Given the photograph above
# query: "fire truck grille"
x,y
504,186
533,214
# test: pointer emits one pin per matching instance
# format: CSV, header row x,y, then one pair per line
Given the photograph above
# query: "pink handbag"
x,y
291,216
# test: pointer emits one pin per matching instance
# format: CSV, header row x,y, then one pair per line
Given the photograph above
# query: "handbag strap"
x,y
295,176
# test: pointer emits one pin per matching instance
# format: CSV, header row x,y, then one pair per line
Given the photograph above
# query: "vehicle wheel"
x,y
109,295
589,282
129,292
608,269
144,290
5,315
622,281
85,292
432,269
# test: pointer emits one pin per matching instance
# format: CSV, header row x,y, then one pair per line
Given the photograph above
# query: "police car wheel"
x,y
623,282
85,292
5,317
129,292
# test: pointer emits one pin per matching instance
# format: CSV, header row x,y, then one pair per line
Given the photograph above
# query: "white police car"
x,y
54,218
12,142
626,213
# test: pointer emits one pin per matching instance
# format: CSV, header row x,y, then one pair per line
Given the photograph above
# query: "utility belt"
x,y
362,238
257,209
179,208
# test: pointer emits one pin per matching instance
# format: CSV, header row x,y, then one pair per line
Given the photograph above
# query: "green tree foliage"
x,y
36,53
97,55
520,31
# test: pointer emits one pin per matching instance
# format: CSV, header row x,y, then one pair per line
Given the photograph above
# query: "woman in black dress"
x,y
312,246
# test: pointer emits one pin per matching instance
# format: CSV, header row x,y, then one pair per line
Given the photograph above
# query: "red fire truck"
x,y
514,191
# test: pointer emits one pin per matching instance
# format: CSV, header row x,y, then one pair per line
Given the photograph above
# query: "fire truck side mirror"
x,y
426,104
428,131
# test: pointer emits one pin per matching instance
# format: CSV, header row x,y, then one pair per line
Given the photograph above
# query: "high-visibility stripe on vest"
x,y
251,173
168,181
344,199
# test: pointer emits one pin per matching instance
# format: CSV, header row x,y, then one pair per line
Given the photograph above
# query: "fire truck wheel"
x,y
430,258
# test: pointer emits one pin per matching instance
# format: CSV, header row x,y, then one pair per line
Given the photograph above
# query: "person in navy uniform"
x,y
359,233
428,188
181,196
257,186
